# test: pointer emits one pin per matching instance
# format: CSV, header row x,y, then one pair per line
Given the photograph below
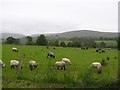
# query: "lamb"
x,y
50,54
2,64
32,64
66,60
61,64
14,63
14,49
97,65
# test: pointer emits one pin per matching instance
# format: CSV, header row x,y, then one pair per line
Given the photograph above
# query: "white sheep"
x,y
14,63
66,60
14,49
97,65
61,64
32,64
2,64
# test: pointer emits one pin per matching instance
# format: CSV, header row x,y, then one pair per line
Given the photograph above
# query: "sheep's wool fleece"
x,y
14,62
60,63
32,62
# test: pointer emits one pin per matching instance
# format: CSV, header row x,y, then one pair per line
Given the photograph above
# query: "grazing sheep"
x,y
84,48
97,50
32,64
50,54
103,51
14,49
2,64
97,65
108,58
66,60
61,64
100,51
14,63
47,47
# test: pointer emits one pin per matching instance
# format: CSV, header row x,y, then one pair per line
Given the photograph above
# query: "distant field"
x,y
76,75
107,42
112,43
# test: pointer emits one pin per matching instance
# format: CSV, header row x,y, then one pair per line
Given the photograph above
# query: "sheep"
x,y
97,65
14,63
50,54
103,51
32,64
66,60
14,49
61,64
2,64
97,50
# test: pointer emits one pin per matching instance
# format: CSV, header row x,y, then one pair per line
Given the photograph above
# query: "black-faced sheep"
x,y
14,63
60,64
66,60
97,65
51,55
2,64
14,49
32,64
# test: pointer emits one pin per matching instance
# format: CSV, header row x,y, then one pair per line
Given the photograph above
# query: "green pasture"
x,y
112,43
46,76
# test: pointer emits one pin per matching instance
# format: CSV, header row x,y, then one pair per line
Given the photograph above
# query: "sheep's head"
x,y
69,62
3,65
53,56
36,65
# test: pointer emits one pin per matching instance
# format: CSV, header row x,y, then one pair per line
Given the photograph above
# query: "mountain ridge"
x,y
68,34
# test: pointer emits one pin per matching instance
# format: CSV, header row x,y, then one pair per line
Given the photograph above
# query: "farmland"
x,y
76,75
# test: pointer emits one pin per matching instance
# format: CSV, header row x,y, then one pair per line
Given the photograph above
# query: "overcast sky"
x,y
55,16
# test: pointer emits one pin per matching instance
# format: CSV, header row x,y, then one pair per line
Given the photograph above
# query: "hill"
x,y
86,33
66,35
14,35
79,34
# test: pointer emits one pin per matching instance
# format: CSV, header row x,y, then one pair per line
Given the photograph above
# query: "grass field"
x,y
111,43
76,75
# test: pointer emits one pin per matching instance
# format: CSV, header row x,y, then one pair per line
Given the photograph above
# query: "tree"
x,y
17,41
69,44
10,40
62,44
56,43
29,40
41,40
102,44
76,44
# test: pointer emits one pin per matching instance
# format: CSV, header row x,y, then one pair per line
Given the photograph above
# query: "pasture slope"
x,y
76,75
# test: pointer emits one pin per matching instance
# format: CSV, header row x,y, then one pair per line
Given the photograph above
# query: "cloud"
x,y
40,16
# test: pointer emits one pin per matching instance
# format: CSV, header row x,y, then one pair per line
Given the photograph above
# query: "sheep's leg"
x,y
21,67
64,67
99,71
30,67
11,66
58,67
61,68
50,56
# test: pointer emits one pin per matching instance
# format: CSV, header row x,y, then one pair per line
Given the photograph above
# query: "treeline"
x,y
73,42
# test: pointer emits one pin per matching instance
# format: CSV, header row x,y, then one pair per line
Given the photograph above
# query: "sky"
x,y
55,16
